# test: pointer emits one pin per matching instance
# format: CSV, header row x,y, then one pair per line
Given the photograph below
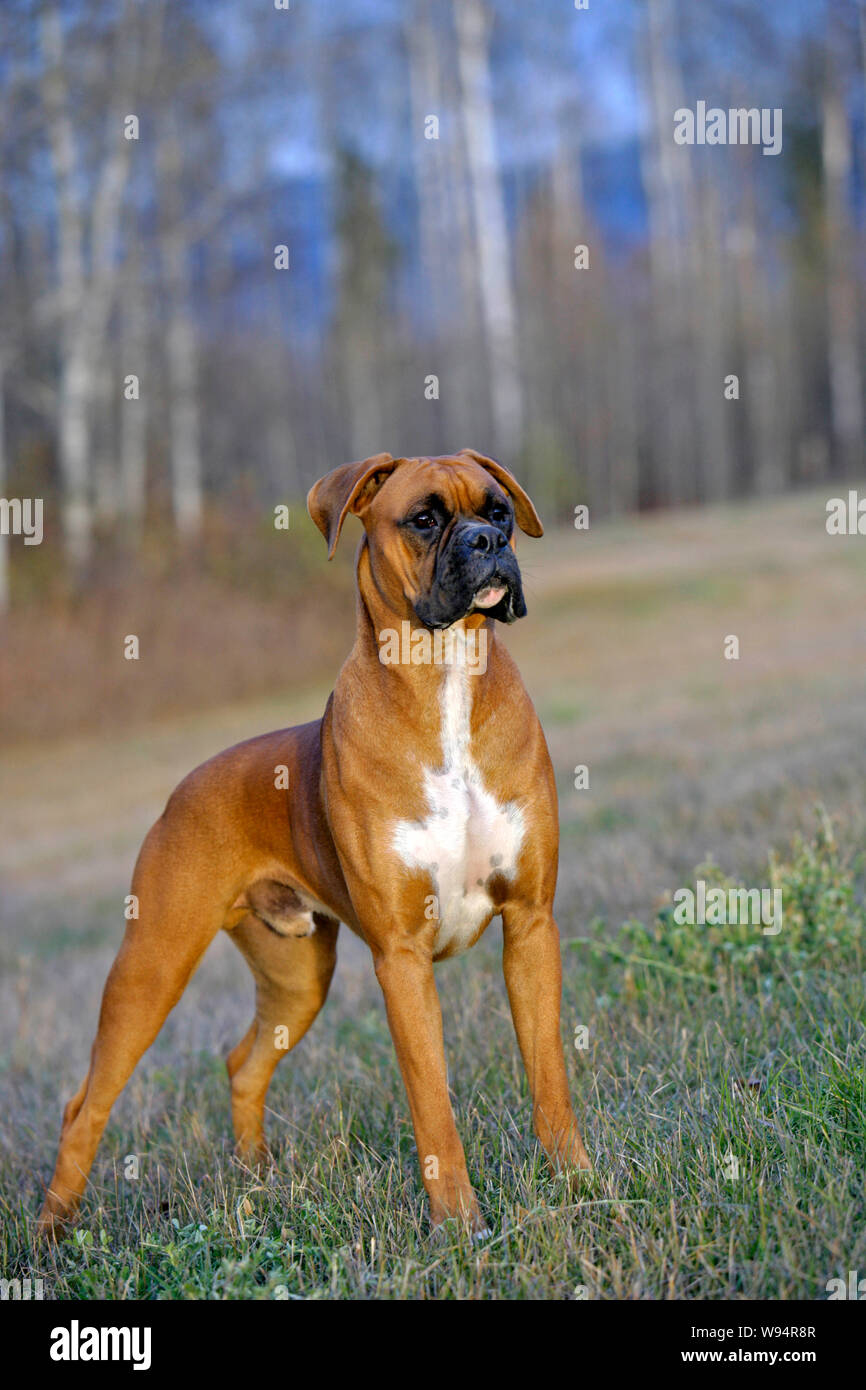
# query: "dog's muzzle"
x,y
476,571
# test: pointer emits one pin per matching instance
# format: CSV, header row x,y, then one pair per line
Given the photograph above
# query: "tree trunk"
x,y
133,413
491,231
466,395
72,435
4,539
182,364
426,100
846,386
181,346
761,379
710,336
85,300
667,181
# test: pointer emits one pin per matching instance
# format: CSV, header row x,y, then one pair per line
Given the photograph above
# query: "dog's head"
x,y
440,531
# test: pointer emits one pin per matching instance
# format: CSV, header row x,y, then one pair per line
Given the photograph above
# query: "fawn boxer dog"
x,y
419,807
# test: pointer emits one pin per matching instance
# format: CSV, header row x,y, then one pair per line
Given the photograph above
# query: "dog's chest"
x,y
467,838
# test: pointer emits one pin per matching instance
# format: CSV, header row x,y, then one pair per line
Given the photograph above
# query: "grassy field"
x,y
723,1085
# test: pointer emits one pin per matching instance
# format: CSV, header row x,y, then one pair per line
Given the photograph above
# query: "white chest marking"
x,y
466,836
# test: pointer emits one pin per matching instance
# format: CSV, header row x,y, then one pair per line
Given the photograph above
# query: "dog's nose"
x,y
484,538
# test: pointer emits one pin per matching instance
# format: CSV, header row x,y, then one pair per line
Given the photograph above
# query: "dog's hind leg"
x,y
180,913
292,976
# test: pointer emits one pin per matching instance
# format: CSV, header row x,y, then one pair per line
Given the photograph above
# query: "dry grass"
x,y
229,623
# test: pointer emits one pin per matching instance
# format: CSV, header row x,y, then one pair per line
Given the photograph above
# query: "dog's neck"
x,y
416,664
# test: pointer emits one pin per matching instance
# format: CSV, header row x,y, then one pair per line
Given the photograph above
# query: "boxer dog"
x,y
419,807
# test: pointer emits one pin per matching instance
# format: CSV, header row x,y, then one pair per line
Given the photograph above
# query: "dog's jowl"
x,y
418,808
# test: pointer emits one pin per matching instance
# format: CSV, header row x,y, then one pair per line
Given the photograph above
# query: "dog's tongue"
x,y
489,597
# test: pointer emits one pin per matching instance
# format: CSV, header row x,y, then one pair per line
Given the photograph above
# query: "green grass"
x,y
705,1045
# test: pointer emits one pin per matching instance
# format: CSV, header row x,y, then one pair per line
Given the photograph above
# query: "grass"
x,y
724,1092
704,1045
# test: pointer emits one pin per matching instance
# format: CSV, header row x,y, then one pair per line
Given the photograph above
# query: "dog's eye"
x,y
499,516
425,521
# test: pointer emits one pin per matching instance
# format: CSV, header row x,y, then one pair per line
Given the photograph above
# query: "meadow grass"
x,y
723,1091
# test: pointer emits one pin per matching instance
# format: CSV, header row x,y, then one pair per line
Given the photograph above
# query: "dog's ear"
x,y
350,488
527,517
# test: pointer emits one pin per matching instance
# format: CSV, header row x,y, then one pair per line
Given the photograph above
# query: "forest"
x,y
241,243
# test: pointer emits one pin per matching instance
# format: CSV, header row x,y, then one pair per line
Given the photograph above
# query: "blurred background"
x,y
429,169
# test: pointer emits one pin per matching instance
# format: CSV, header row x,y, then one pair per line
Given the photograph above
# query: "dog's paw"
x,y
459,1227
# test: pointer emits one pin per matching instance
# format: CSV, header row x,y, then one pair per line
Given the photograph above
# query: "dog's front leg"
x,y
404,969
533,978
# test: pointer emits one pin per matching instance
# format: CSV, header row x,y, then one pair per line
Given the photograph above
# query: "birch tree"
x,y
426,94
491,232
843,346
86,285
667,182
133,408
4,539
181,346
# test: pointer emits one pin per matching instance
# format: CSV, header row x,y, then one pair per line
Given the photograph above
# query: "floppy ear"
x,y
349,488
527,517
